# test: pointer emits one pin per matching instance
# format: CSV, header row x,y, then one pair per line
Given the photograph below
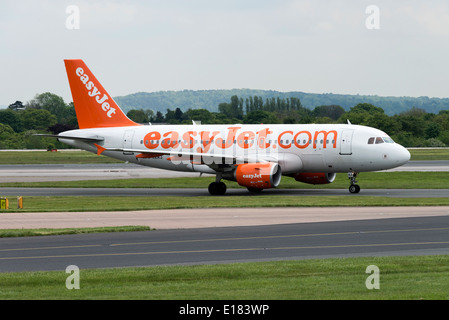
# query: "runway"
x,y
197,192
383,237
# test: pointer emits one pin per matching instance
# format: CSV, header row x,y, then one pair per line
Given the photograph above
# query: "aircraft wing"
x,y
194,157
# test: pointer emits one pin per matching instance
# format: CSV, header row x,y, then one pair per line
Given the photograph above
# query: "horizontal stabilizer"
x,y
87,139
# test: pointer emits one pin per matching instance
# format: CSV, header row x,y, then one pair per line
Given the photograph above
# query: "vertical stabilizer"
x,y
94,107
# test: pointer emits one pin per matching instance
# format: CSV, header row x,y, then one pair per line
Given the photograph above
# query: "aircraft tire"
x,y
217,188
354,188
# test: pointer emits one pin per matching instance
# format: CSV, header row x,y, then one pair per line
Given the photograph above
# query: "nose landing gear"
x,y
353,188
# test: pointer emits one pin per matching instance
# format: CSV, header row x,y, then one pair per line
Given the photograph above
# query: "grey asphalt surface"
x,y
382,237
195,192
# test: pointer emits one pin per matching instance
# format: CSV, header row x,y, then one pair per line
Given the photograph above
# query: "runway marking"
x,y
278,237
49,248
226,239
225,250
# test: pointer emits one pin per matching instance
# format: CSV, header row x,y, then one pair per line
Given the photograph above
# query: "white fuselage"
x,y
296,147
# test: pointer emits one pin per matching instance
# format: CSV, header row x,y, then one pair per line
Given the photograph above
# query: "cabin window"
x,y
371,140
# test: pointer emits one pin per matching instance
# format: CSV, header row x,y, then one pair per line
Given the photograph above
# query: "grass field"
x,y
367,180
60,157
429,154
12,233
80,204
404,278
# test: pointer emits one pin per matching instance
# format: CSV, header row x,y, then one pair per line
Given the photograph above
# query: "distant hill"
x,y
210,99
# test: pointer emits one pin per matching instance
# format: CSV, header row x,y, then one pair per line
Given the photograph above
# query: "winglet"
x,y
94,107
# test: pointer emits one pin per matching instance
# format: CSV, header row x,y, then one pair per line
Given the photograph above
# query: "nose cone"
x,y
401,155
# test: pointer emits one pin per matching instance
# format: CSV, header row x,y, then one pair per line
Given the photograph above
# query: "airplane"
x,y
255,156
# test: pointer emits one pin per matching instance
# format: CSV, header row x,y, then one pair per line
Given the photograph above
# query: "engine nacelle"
x,y
315,178
258,175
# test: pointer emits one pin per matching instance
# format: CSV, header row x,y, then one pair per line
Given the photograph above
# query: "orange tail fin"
x,y
94,107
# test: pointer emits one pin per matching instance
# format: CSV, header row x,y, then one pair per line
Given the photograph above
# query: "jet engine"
x,y
315,178
258,176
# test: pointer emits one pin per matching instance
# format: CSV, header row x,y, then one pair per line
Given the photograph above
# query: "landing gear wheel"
x,y
217,188
254,190
354,188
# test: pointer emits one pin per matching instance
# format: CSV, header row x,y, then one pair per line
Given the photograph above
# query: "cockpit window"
x,y
379,140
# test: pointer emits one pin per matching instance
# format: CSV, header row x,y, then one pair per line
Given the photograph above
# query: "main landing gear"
x,y
353,188
217,188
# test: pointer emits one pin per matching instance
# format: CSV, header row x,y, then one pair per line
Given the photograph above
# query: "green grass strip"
x,y
9,233
80,204
367,180
61,157
429,154
405,278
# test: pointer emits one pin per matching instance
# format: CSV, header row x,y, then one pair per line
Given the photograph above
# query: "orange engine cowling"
x,y
315,178
258,175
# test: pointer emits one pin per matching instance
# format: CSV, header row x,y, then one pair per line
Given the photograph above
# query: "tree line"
x,y
412,128
210,99
48,113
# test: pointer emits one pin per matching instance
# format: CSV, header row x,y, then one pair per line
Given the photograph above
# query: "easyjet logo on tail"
x,y
95,93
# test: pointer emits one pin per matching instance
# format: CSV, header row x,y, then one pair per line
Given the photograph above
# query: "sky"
x,y
375,47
